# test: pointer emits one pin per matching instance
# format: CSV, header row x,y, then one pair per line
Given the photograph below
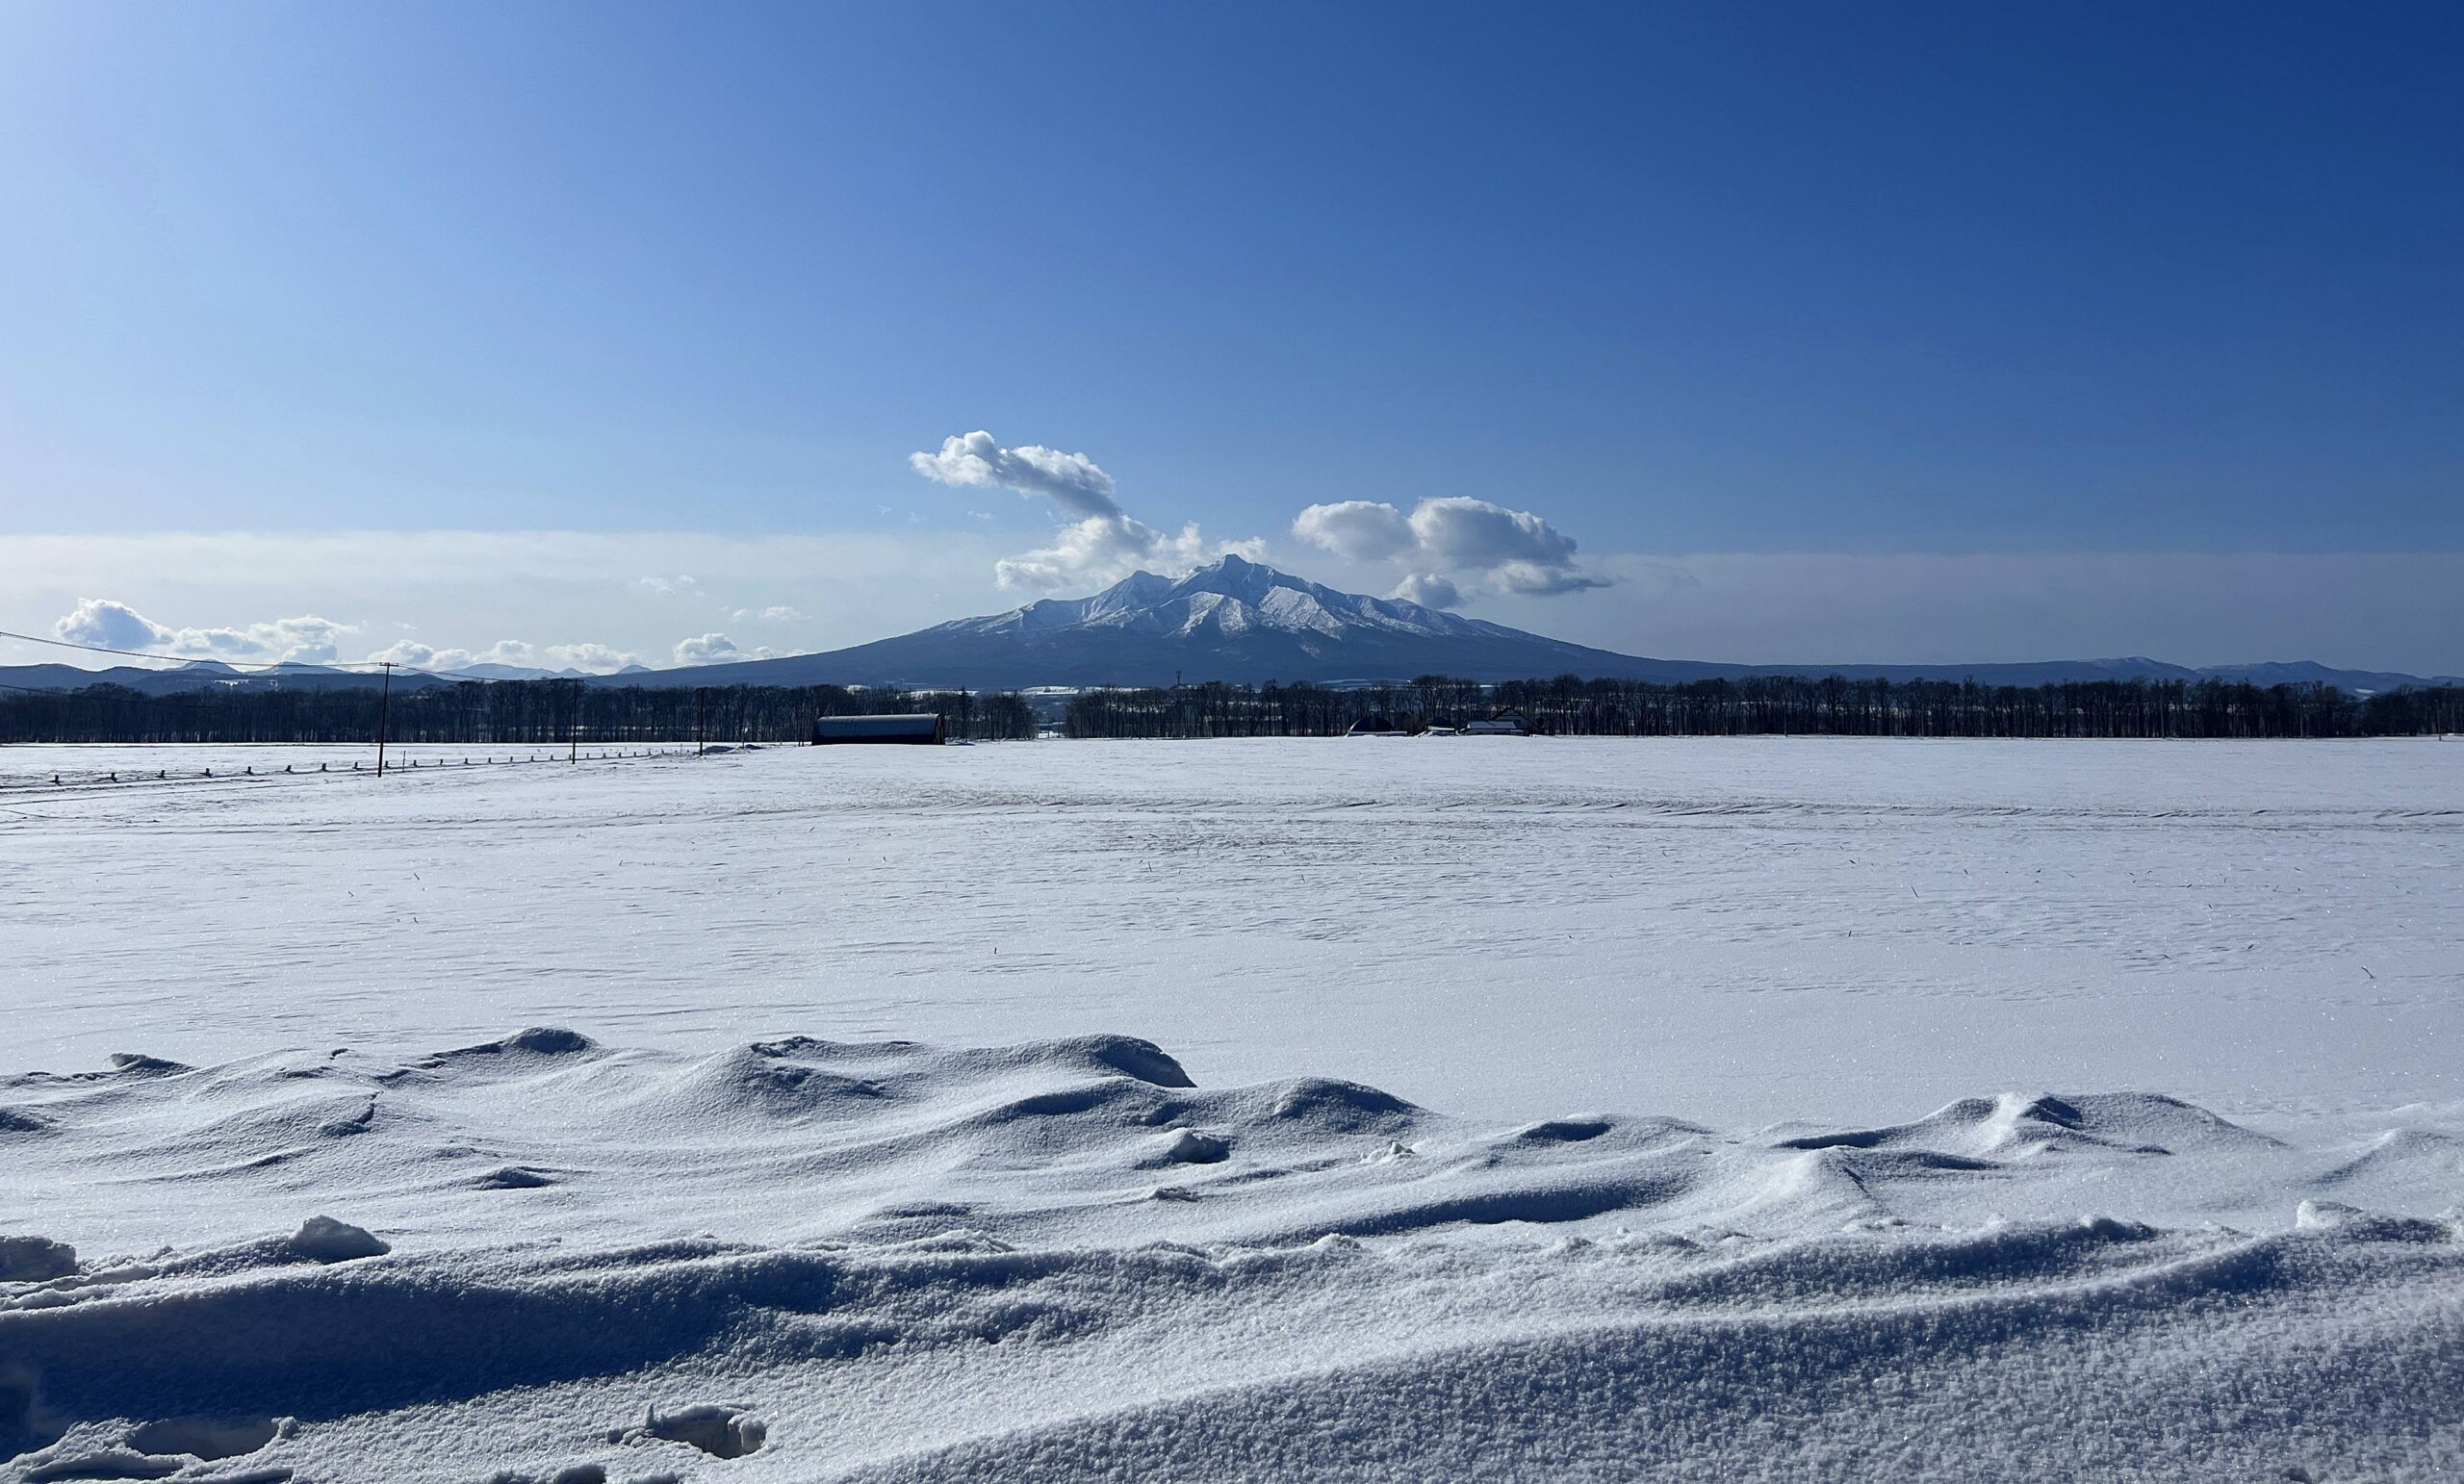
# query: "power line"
x,y
185,659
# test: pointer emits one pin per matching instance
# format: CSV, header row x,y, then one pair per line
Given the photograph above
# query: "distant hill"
x,y
1236,620
201,673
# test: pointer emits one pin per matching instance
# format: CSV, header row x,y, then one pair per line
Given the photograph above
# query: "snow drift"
x,y
542,1258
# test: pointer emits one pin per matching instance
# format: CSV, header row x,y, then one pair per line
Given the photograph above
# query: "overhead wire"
x,y
235,664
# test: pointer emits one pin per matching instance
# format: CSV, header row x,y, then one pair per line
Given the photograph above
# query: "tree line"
x,y
1782,705
522,712
555,712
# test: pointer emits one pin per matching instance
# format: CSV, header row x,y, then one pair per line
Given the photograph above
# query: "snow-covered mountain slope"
x,y
1237,619
1235,599
1240,619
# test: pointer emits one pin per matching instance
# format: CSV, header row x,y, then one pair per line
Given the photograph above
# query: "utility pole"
x,y
573,731
384,703
699,749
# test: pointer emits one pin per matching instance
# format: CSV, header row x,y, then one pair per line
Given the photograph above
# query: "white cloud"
x,y
1465,533
1102,544
1509,552
1541,580
1071,480
678,586
414,655
112,626
419,657
109,623
1429,589
718,649
1357,531
595,659
1099,552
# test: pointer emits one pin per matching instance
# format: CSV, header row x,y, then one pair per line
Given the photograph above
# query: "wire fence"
x,y
106,777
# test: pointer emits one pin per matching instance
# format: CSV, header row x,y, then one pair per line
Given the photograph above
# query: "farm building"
x,y
1505,724
923,729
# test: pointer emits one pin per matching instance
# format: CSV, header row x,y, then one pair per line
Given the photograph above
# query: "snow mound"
x,y
34,1259
800,1259
2403,1156
2015,1126
717,1429
535,1042
325,1240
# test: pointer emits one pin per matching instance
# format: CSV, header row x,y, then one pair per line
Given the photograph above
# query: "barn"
x,y
922,728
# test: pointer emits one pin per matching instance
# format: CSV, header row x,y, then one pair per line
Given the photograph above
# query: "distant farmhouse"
x,y
1505,724
923,729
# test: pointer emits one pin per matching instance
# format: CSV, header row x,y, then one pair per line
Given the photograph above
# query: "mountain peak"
x,y
1236,577
1235,601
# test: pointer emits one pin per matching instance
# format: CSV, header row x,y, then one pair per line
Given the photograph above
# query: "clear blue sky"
x,y
1771,278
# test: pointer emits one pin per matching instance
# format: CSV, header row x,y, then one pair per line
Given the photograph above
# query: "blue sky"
x,y
2098,284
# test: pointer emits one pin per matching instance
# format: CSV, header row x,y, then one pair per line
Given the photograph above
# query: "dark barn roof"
x,y
922,728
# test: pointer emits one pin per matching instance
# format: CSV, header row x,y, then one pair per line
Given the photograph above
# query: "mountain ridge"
x,y
1242,621
1235,619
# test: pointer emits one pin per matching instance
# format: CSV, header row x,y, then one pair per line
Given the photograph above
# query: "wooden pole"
x,y
384,704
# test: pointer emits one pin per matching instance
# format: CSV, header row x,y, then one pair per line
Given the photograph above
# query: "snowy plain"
x,y
1605,1108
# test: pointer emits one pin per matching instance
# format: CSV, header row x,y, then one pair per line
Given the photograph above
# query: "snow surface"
x,y
1495,1108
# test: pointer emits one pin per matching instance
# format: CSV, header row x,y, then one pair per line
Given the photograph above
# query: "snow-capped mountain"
x,y
1237,619
1232,598
1240,619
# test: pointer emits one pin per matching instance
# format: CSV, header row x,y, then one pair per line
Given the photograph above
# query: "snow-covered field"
x,y
1755,1108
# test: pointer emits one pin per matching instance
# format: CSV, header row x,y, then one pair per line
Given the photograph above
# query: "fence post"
x,y
384,703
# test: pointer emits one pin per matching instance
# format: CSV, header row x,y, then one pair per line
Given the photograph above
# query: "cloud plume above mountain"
x,y
1099,544
718,649
1430,590
1507,552
1072,481
1357,531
